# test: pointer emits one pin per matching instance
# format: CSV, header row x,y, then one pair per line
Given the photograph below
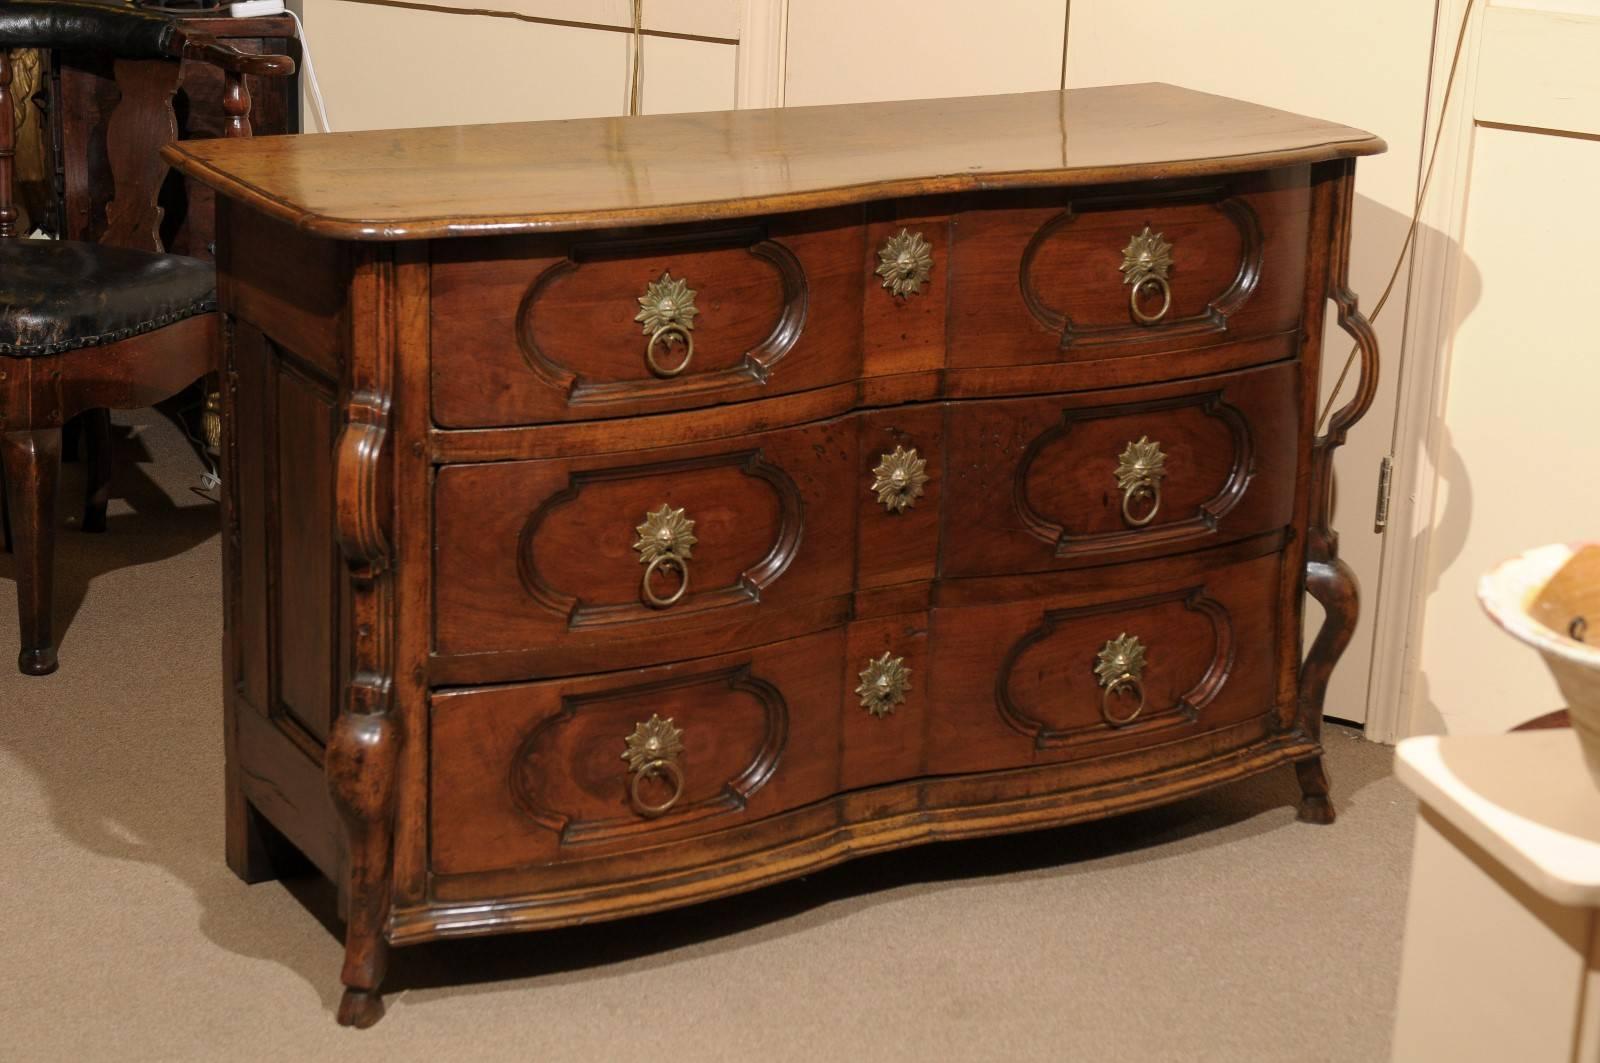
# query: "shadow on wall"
x,y
1355,485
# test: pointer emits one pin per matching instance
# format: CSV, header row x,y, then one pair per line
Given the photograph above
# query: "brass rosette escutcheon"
x,y
667,312
904,262
1119,668
884,683
666,542
1146,262
899,479
652,752
1140,469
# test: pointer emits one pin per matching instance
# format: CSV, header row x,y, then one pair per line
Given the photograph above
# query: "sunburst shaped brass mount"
x,y
904,262
899,479
652,751
666,540
1119,666
667,313
1147,260
884,683
1140,469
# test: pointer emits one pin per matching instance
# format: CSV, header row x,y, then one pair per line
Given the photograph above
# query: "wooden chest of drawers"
x,y
625,513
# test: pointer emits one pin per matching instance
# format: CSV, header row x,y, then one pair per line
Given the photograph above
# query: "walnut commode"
x,y
628,512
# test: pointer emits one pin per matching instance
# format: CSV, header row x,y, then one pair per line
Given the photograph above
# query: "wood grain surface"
x,y
540,176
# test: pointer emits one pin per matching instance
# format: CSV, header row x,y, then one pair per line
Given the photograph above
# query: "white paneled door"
x,y
1500,444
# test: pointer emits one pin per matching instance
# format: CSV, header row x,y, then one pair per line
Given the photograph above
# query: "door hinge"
x,y
1380,517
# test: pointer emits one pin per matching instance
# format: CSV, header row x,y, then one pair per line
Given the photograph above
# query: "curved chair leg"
x,y
32,460
97,469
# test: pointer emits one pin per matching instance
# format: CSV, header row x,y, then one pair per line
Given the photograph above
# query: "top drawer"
x,y
623,323
1114,281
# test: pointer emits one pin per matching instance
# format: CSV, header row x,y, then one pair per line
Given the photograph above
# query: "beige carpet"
x,y
1218,929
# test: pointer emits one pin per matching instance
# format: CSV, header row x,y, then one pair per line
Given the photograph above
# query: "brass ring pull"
x,y
665,560
1166,300
652,751
1124,682
656,769
1152,489
1119,669
1140,469
666,540
669,330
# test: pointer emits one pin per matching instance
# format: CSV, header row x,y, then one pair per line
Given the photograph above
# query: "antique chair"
x,y
86,328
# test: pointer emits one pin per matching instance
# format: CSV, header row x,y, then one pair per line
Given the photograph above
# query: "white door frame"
x,y
1423,369
763,47
1497,85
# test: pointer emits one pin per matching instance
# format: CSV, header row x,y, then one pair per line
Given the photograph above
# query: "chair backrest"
x,y
145,49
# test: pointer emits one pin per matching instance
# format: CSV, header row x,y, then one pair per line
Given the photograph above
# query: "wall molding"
x,y
763,48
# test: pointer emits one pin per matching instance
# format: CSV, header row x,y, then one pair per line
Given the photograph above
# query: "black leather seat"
x,y
60,295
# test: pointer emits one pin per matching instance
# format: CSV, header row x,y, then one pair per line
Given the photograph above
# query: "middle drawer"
x,y
567,565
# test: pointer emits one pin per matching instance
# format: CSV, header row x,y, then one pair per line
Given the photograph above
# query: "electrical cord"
x,y
309,69
1416,213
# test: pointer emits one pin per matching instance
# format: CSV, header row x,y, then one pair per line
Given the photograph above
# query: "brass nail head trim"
x,y
884,683
904,262
899,479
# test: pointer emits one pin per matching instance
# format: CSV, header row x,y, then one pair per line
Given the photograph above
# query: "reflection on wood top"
x,y
545,176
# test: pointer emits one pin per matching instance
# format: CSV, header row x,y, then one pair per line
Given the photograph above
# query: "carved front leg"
x,y
361,758
1328,579
363,750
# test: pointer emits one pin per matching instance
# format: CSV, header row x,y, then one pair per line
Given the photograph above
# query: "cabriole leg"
x,y
360,764
1331,582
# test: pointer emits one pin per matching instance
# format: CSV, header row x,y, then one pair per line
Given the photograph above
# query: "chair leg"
x,y
97,468
72,438
32,461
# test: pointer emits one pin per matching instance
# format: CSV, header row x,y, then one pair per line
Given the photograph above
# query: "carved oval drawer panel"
x,y
1102,670
1109,281
612,325
586,564
1084,478
562,770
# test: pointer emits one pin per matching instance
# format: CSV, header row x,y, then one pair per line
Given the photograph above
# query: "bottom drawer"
x,y
1114,666
1119,659
537,773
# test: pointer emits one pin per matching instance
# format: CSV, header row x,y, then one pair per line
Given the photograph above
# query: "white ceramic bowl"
x,y
1508,593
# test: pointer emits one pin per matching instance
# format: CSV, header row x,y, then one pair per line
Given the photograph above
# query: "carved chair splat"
x,y
87,328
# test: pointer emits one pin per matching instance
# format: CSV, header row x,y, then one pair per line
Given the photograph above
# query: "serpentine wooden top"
x,y
547,176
